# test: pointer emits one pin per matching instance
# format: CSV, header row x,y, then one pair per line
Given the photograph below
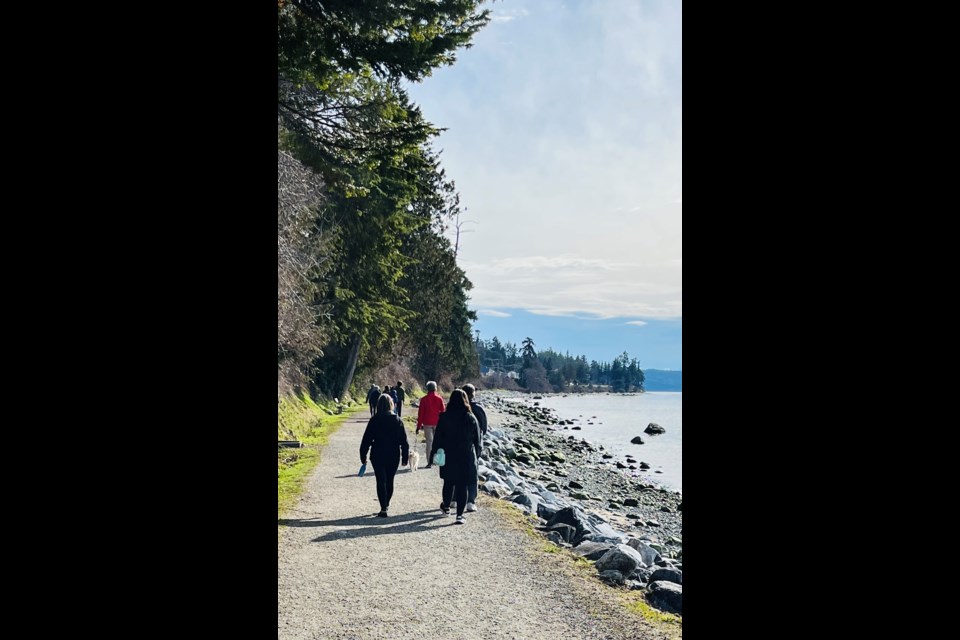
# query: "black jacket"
x,y
481,416
458,434
386,434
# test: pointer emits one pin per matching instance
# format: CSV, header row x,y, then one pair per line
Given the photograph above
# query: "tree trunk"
x,y
351,365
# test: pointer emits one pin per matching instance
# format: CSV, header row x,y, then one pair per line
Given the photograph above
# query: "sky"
x,y
564,137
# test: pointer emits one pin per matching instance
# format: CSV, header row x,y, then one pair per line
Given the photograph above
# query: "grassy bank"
x,y
300,418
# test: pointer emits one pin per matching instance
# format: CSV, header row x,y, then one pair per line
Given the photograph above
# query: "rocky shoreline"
x,y
585,498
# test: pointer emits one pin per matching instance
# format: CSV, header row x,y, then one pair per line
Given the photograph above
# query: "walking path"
x,y
344,574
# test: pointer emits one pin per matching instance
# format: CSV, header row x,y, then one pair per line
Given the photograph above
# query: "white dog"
x,y
413,459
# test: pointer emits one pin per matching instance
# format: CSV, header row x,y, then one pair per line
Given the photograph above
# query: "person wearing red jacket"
x,y
428,415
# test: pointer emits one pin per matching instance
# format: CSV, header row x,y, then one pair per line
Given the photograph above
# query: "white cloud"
x,y
578,287
493,313
508,15
638,323
564,135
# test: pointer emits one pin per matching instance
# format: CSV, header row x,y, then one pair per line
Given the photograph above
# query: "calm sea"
x,y
617,418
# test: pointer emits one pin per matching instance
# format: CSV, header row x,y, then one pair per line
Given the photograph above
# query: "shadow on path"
x,y
371,525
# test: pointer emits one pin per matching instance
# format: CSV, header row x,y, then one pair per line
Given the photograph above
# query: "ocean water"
x,y
617,418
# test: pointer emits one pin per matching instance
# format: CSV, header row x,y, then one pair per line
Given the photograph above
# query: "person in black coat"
x,y
458,434
481,415
400,397
386,434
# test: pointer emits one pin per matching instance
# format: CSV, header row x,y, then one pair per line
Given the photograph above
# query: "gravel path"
x,y
343,573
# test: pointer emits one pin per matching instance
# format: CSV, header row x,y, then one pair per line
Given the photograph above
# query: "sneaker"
x,y
445,510
382,514
461,520
471,507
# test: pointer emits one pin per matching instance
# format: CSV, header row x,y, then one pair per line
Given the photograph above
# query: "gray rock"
x,y
647,553
596,537
653,523
576,519
631,502
636,440
575,485
554,537
622,558
666,596
548,495
495,489
643,573
668,574
592,550
546,511
566,531
654,429
527,500
612,576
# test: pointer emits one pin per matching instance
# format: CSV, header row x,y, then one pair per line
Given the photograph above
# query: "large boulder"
x,y
654,429
576,519
495,489
546,511
592,550
622,558
566,531
555,538
527,500
667,574
648,553
666,596
548,495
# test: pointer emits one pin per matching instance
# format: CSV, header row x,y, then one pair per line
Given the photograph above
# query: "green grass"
x,y
312,423
636,603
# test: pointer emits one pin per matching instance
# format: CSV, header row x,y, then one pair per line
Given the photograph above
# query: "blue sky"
x,y
657,344
565,139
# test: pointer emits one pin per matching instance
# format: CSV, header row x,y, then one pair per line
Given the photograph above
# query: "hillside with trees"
x,y
505,365
365,274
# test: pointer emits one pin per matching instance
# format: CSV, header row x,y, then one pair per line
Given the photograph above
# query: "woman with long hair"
x,y
385,433
458,434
